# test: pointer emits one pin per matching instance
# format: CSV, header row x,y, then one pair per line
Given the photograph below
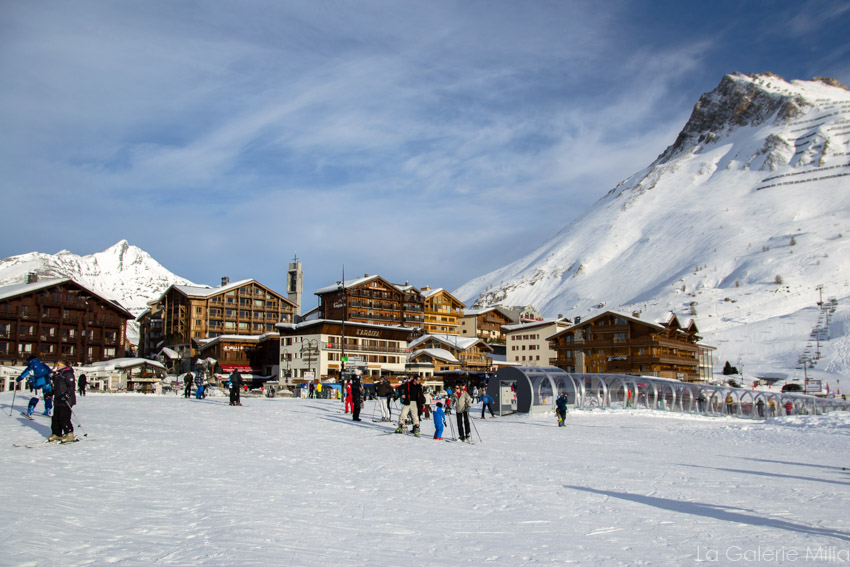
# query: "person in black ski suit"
x,y
81,385
384,392
356,397
412,399
187,385
235,387
64,394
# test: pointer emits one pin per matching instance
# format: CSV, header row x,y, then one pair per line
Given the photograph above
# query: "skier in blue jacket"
x,y
486,400
561,404
439,421
37,374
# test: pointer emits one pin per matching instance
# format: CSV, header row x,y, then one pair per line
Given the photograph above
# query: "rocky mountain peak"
x,y
739,100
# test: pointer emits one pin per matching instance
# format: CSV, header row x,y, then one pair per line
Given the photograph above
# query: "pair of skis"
x,y
44,444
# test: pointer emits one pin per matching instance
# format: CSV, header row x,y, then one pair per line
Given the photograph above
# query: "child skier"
x,y
439,421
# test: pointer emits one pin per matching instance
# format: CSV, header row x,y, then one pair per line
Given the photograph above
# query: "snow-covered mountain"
x,y
735,225
122,272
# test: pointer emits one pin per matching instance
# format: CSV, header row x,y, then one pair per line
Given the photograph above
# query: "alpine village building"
x,y
614,343
59,320
527,344
230,324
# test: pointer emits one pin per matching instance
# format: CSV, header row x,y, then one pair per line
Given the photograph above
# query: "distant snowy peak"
x,y
122,272
752,100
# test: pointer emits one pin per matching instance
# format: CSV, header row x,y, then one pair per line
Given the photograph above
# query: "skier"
x,y
384,392
312,390
235,385
348,398
760,407
81,385
561,404
461,402
187,384
37,374
62,429
356,390
486,400
411,398
439,421
199,385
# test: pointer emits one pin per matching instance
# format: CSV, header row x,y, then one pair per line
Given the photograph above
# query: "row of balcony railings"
x,y
65,318
57,338
355,347
536,389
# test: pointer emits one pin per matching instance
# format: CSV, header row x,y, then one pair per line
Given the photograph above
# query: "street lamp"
x,y
285,356
311,347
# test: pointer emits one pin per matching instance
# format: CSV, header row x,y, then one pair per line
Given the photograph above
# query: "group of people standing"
x,y
57,386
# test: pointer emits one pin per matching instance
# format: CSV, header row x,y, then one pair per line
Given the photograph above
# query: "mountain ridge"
x,y
122,272
734,224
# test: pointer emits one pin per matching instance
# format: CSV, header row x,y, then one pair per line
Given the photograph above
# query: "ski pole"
x,y
74,416
14,395
475,427
452,426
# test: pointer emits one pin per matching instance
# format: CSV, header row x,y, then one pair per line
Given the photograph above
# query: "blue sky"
x,y
429,142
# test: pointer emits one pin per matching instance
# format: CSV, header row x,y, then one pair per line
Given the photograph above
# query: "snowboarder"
x,y
384,392
486,400
561,404
81,384
62,429
461,402
235,385
411,398
439,421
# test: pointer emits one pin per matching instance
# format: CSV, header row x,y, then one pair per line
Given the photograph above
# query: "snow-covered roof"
x,y
533,324
168,353
245,338
13,290
314,322
207,291
125,363
438,353
348,284
455,341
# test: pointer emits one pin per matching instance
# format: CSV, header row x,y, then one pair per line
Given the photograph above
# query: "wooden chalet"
x,y
183,315
251,354
467,353
442,311
372,300
613,343
59,320
486,323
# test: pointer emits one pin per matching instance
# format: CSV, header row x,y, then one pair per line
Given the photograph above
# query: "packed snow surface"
x,y
170,481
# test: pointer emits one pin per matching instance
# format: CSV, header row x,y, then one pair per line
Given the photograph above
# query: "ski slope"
x,y
168,481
